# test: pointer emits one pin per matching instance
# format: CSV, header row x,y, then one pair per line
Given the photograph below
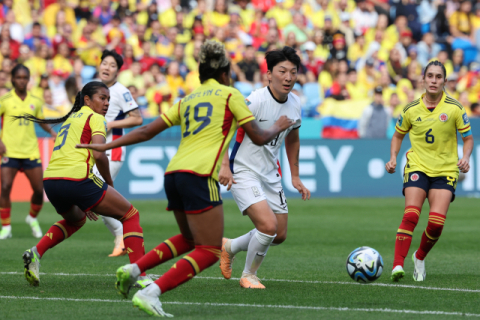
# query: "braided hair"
x,y
213,61
88,90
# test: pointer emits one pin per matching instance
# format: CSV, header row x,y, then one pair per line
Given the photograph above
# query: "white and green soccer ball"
x,y
364,264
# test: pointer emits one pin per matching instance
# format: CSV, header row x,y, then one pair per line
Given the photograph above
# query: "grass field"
x,y
305,277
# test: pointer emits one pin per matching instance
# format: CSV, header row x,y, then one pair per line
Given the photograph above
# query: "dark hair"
x,y
274,57
36,24
112,53
19,67
88,90
213,61
350,70
474,106
435,63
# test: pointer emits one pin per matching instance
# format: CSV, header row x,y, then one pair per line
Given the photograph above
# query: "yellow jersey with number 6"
x,y
433,135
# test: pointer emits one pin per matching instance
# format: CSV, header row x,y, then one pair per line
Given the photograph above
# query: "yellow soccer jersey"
x,y
433,136
19,135
68,162
207,119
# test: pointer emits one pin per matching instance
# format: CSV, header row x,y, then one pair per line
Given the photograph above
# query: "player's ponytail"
x,y
213,61
88,90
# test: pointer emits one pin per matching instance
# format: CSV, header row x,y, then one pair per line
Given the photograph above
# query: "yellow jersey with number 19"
x,y
433,135
207,124
19,135
68,162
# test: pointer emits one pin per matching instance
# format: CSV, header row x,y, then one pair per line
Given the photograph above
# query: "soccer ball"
x,y
364,264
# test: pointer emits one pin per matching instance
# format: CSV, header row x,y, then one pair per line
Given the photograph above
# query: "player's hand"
x,y
225,177
53,134
297,184
284,122
391,165
96,147
92,216
3,149
464,165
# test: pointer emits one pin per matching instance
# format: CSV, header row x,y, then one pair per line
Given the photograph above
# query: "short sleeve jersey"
x,y
263,160
208,118
19,135
433,135
68,162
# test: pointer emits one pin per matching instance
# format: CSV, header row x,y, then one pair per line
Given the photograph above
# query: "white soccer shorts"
x,y
115,167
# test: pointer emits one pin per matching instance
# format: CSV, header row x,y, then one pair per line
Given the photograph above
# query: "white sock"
x,y
115,226
241,243
257,250
152,290
135,271
9,227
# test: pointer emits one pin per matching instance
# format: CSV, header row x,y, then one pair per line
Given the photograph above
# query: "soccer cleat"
x,y
149,304
125,280
143,282
6,233
250,281
33,223
119,248
419,273
32,267
226,259
397,273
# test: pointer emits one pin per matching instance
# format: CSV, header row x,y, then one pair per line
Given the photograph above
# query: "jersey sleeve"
x,y
98,125
127,103
238,106
172,116
463,123
39,110
403,124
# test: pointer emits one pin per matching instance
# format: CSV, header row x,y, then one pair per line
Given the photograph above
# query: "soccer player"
x,y
256,183
73,189
432,167
208,118
122,113
19,149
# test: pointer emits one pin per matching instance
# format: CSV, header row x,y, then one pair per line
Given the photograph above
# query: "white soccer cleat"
x,y
6,233
33,223
149,304
419,273
397,273
125,279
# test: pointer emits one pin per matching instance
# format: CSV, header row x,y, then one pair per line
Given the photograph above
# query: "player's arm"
x,y
397,140
3,148
47,128
292,146
260,136
101,160
134,119
225,176
464,163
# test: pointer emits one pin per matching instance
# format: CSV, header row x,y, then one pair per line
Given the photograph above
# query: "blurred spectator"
x,y
49,110
457,60
461,21
313,63
35,38
249,68
375,119
475,108
104,12
451,85
16,29
427,49
339,50
364,16
13,44
346,29
3,79
338,90
59,94
329,72
356,90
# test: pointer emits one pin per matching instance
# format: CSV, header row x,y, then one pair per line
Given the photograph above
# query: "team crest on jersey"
x,y
465,119
247,102
127,96
32,107
414,177
443,117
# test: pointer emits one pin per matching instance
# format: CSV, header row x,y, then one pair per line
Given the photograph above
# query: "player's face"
x,y
283,77
434,80
20,80
99,102
108,70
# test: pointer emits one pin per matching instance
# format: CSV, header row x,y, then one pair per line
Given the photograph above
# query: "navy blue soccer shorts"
x,y
421,180
21,164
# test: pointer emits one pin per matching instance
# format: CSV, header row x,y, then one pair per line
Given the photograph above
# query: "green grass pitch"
x,y
311,265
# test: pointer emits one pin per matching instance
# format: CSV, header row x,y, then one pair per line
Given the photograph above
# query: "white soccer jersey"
x,y
121,103
263,160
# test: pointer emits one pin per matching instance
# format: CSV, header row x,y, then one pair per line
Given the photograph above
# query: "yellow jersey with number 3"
x,y
433,135
19,135
208,118
68,162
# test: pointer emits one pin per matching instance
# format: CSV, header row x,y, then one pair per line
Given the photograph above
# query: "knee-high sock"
x,y
431,234
112,224
165,251
404,234
241,243
257,250
60,231
35,209
189,266
133,235
5,216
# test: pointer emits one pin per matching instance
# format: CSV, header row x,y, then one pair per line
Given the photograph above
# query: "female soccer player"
x,y
432,167
122,113
208,118
73,189
19,149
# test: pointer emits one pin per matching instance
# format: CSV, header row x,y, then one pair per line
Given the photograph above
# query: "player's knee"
x,y
268,227
6,188
280,238
38,193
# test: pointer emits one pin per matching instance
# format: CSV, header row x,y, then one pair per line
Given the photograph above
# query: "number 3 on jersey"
x,y
62,132
203,120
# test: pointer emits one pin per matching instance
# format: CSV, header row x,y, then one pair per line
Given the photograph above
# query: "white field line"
x,y
209,304
275,280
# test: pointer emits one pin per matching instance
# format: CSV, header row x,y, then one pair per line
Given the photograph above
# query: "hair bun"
x,y
213,52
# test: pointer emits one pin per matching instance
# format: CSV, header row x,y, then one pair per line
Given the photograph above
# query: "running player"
x,y
122,113
19,149
256,183
432,167
71,186
208,119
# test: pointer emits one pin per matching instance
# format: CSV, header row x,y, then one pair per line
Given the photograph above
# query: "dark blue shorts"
x,y
421,180
85,194
21,164
190,193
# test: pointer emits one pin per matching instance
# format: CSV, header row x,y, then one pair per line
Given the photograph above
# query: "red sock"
x,y
431,234
5,216
60,231
35,209
165,251
133,235
189,266
404,234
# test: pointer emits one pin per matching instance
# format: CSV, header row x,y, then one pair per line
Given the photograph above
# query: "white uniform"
x,y
256,169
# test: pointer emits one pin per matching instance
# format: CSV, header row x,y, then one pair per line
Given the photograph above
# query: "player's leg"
x,y
282,226
35,176
9,171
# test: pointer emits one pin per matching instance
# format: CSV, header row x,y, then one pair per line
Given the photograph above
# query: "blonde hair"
x,y
213,60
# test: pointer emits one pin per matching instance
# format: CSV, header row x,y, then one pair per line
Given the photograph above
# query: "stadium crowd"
x,y
351,50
